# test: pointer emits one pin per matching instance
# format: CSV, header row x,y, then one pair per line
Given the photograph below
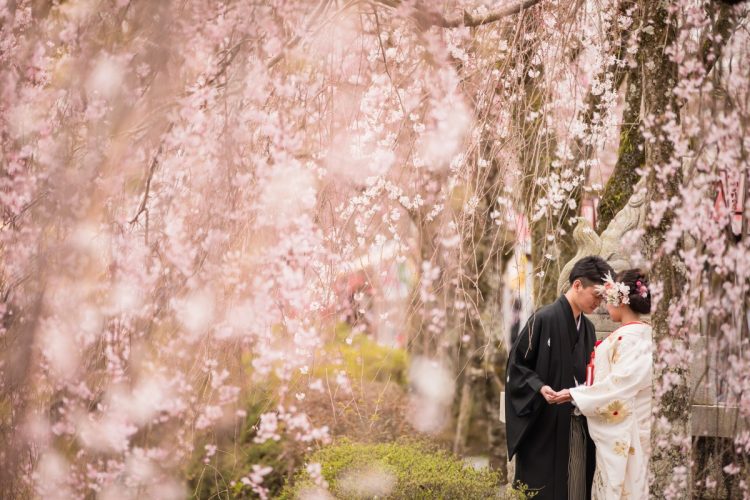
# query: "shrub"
x,y
371,361
374,406
407,470
363,358
373,411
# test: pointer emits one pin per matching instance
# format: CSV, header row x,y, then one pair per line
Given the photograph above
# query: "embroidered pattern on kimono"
x,y
623,448
614,413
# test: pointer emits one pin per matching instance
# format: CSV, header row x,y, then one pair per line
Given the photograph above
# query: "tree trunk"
x,y
419,341
631,155
494,385
487,253
670,436
466,405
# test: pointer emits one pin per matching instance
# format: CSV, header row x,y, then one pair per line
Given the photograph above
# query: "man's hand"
x,y
562,397
548,394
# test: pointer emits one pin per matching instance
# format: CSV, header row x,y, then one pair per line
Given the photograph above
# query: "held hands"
x,y
554,397
563,397
548,394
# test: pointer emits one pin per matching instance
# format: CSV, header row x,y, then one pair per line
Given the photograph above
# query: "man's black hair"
x,y
591,270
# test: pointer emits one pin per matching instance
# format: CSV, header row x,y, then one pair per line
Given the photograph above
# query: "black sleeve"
x,y
524,382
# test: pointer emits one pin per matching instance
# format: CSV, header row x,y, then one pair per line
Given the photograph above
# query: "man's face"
x,y
587,298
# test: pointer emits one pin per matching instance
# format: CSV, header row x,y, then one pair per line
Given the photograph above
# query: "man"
x,y
549,355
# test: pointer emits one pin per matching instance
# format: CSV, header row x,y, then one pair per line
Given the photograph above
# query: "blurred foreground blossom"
x,y
432,387
373,481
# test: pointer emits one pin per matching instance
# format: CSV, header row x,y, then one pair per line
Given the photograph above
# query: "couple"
x,y
574,437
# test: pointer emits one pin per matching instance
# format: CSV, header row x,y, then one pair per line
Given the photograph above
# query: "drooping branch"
x,y
563,248
584,151
149,176
721,31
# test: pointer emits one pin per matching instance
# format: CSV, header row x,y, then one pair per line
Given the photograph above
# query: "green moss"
x,y
364,359
368,359
413,471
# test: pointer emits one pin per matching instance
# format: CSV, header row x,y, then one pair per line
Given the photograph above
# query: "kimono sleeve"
x,y
631,372
524,382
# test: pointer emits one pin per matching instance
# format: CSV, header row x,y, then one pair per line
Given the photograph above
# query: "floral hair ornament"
x,y
614,292
642,289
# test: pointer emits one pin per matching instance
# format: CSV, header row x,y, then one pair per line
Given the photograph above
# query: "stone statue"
x,y
608,245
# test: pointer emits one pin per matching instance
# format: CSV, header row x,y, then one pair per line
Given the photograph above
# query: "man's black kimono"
x,y
552,351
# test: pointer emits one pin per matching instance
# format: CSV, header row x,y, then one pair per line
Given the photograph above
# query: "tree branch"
x,y
470,21
151,170
721,31
12,220
426,17
317,12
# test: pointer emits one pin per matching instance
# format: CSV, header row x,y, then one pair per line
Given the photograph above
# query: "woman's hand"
x,y
562,397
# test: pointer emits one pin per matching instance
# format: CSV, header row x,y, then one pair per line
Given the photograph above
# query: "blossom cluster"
x,y
613,292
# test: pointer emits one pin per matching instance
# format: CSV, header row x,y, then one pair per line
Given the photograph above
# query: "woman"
x,y
617,405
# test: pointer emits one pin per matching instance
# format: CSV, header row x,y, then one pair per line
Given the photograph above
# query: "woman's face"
x,y
615,312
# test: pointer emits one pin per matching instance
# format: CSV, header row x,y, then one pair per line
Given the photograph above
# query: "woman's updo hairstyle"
x,y
640,293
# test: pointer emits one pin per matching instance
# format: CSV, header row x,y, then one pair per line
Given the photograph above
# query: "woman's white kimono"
x,y
617,407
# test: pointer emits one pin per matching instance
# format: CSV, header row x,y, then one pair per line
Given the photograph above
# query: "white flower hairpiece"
x,y
614,292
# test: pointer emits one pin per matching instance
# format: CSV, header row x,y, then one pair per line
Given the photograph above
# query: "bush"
x,y
394,470
371,361
374,408
364,359
372,412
